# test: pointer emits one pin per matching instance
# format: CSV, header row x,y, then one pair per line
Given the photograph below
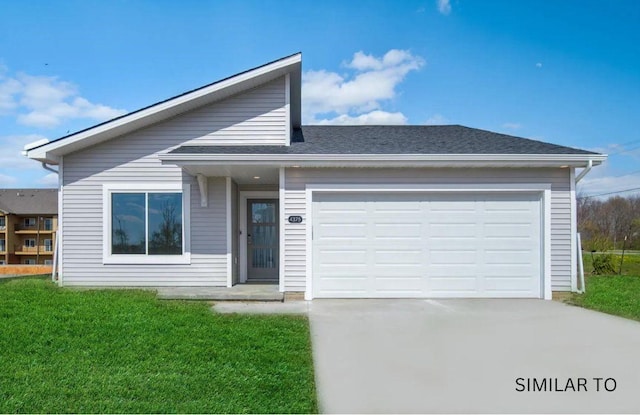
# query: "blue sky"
x,y
566,72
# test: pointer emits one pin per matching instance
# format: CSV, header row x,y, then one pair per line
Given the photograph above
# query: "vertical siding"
x,y
295,204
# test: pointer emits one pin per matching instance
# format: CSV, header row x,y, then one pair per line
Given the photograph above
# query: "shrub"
x,y
603,265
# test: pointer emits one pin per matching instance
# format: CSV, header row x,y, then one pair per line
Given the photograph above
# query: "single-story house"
x,y
222,185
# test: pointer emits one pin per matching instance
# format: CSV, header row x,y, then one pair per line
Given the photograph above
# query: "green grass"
x,y
120,351
630,264
612,294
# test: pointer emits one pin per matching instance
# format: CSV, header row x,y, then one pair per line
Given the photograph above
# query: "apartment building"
x,y
28,224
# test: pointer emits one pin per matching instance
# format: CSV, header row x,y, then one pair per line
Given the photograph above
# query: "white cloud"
x,y
45,101
11,155
607,184
512,126
7,181
436,119
444,6
376,117
329,95
539,65
50,180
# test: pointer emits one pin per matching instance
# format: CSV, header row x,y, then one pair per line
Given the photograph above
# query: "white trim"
x,y
574,238
203,186
543,188
60,231
281,196
171,107
546,247
229,234
287,107
242,224
108,258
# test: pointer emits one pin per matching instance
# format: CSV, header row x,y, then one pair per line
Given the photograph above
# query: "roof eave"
x,y
442,160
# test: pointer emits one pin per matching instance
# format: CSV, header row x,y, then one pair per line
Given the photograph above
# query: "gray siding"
x,y
255,117
295,204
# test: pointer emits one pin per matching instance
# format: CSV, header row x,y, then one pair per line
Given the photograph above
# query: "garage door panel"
x,y
453,284
453,229
508,257
426,245
399,229
453,257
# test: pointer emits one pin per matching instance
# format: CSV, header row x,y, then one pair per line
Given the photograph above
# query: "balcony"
x,y
26,230
33,250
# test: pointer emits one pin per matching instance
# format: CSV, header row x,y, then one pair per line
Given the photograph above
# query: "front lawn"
x,y
612,294
107,351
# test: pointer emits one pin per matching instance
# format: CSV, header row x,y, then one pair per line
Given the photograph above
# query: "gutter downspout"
x,y
55,234
582,288
44,166
583,173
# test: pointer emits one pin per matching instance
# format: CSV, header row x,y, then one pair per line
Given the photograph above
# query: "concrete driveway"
x,y
417,356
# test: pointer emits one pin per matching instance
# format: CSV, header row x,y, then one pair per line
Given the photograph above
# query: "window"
x,y
48,245
48,262
3,245
48,224
3,222
146,224
29,222
29,261
2,262
29,243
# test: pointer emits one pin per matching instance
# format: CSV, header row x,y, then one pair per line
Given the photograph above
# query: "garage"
x,y
423,244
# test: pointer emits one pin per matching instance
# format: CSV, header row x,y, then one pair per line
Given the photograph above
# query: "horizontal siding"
x,y
256,116
252,118
83,239
297,179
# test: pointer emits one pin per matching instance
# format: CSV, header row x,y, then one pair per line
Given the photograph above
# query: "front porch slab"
x,y
239,292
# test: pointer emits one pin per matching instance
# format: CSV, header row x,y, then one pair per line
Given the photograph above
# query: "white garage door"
x,y
392,245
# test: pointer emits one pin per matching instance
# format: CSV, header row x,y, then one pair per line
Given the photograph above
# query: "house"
x,y
222,185
28,224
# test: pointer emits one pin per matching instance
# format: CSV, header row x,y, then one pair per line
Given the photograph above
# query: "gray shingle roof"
x,y
390,139
29,201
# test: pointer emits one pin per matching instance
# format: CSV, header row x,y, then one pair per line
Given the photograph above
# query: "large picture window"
x,y
146,224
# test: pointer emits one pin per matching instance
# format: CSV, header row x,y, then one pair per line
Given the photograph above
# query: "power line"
x,y
610,193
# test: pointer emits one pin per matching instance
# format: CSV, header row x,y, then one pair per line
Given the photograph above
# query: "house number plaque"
x,y
295,219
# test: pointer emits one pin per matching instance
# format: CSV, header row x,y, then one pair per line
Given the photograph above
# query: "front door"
x,y
262,240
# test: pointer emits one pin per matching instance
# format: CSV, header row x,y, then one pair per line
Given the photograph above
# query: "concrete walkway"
x,y
424,356
239,292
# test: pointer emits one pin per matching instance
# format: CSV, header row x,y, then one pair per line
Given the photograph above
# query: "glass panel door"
x,y
262,240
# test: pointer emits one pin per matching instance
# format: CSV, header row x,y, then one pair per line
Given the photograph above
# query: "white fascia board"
x,y
127,123
308,160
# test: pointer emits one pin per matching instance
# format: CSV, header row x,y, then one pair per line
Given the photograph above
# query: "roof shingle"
x,y
389,139
29,201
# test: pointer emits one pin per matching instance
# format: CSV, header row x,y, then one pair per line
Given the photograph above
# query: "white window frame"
x,y
29,261
44,243
48,262
44,224
3,245
27,222
2,262
143,259
26,245
3,222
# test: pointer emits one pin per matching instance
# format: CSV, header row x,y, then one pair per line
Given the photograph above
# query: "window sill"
x,y
184,259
